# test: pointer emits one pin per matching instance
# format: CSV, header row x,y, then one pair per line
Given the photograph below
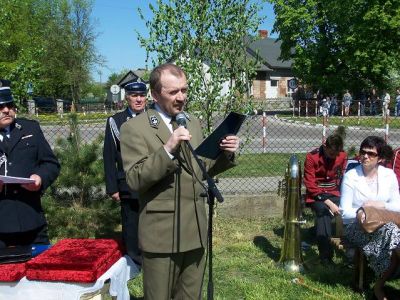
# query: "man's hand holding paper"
x,y
33,186
230,144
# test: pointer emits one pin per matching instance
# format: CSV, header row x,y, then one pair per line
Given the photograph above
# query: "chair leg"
x,y
360,270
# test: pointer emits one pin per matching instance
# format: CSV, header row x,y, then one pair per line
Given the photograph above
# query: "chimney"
x,y
263,33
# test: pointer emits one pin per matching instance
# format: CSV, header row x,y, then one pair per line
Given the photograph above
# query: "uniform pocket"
x,y
160,205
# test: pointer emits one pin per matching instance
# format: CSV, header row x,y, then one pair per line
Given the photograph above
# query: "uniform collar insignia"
x,y
154,121
18,126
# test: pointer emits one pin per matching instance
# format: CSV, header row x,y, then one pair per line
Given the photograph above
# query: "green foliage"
x,y
82,176
73,221
342,44
47,43
208,39
115,77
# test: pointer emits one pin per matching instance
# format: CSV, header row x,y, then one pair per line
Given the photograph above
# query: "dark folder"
x,y
209,148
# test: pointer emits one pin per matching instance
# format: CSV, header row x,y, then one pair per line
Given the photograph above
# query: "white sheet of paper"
x,y
11,179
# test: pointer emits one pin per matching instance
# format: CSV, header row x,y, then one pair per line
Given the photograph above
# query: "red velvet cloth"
x,y
77,260
12,272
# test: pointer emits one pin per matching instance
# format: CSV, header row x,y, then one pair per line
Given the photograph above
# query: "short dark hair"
x,y
384,150
334,142
155,75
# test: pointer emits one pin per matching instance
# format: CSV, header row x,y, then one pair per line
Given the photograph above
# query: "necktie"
x,y
4,139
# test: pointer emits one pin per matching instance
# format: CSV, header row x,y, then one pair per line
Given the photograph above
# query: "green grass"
x,y
261,165
246,252
373,122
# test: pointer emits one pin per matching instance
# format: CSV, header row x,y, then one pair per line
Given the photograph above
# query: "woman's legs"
x,y
379,284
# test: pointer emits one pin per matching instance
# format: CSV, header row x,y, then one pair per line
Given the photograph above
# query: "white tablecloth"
x,y
119,273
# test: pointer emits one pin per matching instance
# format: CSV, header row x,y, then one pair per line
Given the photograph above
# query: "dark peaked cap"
x,y
135,88
5,91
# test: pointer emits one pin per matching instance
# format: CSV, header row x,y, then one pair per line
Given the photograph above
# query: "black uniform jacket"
x,y
113,170
27,153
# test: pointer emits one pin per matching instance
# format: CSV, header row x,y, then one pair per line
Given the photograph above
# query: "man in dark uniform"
x,y
323,170
159,166
116,187
24,152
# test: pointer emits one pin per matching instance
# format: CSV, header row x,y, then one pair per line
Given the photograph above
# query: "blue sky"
x,y
116,21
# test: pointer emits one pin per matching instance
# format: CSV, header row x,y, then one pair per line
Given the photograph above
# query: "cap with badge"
x,y
135,88
5,92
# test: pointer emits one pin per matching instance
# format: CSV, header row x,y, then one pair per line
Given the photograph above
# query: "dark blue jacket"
x,y
113,170
27,153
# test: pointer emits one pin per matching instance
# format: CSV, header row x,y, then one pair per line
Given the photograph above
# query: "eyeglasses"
x,y
9,105
369,153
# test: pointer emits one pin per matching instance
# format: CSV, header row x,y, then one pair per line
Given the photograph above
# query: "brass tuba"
x,y
291,258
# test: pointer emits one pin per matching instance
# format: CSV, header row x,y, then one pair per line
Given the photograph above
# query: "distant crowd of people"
x,y
371,102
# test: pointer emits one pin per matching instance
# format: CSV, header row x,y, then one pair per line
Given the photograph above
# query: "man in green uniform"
x,y
172,214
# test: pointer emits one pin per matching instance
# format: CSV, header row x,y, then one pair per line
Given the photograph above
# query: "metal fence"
x,y
268,138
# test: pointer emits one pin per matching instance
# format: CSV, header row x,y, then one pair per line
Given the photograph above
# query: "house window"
x,y
274,82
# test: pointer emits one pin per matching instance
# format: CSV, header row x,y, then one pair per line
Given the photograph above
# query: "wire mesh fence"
x,y
268,138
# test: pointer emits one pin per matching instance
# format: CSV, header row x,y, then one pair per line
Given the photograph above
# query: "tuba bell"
x,y
291,258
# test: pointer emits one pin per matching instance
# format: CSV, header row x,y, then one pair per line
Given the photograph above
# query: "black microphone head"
x,y
181,119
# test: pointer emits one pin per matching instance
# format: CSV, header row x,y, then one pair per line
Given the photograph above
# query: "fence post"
x,y
264,123
31,107
359,112
387,125
342,111
316,110
306,108
299,108
324,123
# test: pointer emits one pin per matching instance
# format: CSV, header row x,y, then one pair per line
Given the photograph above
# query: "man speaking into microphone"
x,y
160,167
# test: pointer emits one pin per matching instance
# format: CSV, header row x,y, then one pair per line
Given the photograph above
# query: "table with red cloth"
x,y
70,269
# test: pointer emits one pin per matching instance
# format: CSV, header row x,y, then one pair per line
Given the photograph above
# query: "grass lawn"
x,y
246,252
263,164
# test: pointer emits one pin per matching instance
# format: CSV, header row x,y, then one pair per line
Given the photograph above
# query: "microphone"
x,y
180,119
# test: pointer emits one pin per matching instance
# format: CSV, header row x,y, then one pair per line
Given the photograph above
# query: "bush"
x,y
76,204
97,221
81,179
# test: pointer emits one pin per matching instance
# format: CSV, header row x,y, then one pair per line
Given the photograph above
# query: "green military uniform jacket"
x,y
172,212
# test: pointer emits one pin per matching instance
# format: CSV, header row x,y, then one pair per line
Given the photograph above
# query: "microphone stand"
x,y
212,193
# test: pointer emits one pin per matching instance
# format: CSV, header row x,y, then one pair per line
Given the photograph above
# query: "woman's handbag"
x,y
371,218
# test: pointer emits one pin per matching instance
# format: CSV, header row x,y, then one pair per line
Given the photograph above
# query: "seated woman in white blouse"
x,y
371,184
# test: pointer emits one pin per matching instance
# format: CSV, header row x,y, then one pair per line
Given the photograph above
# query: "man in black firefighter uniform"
x,y
116,186
24,152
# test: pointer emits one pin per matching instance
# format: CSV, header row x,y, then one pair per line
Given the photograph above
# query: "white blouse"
x,y
355,191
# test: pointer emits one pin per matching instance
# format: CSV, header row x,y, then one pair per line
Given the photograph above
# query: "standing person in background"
x,y
363,102
158,164
323,170
371,184
347,102
333,106
385,104
398,101
373,98
116,186
25,153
